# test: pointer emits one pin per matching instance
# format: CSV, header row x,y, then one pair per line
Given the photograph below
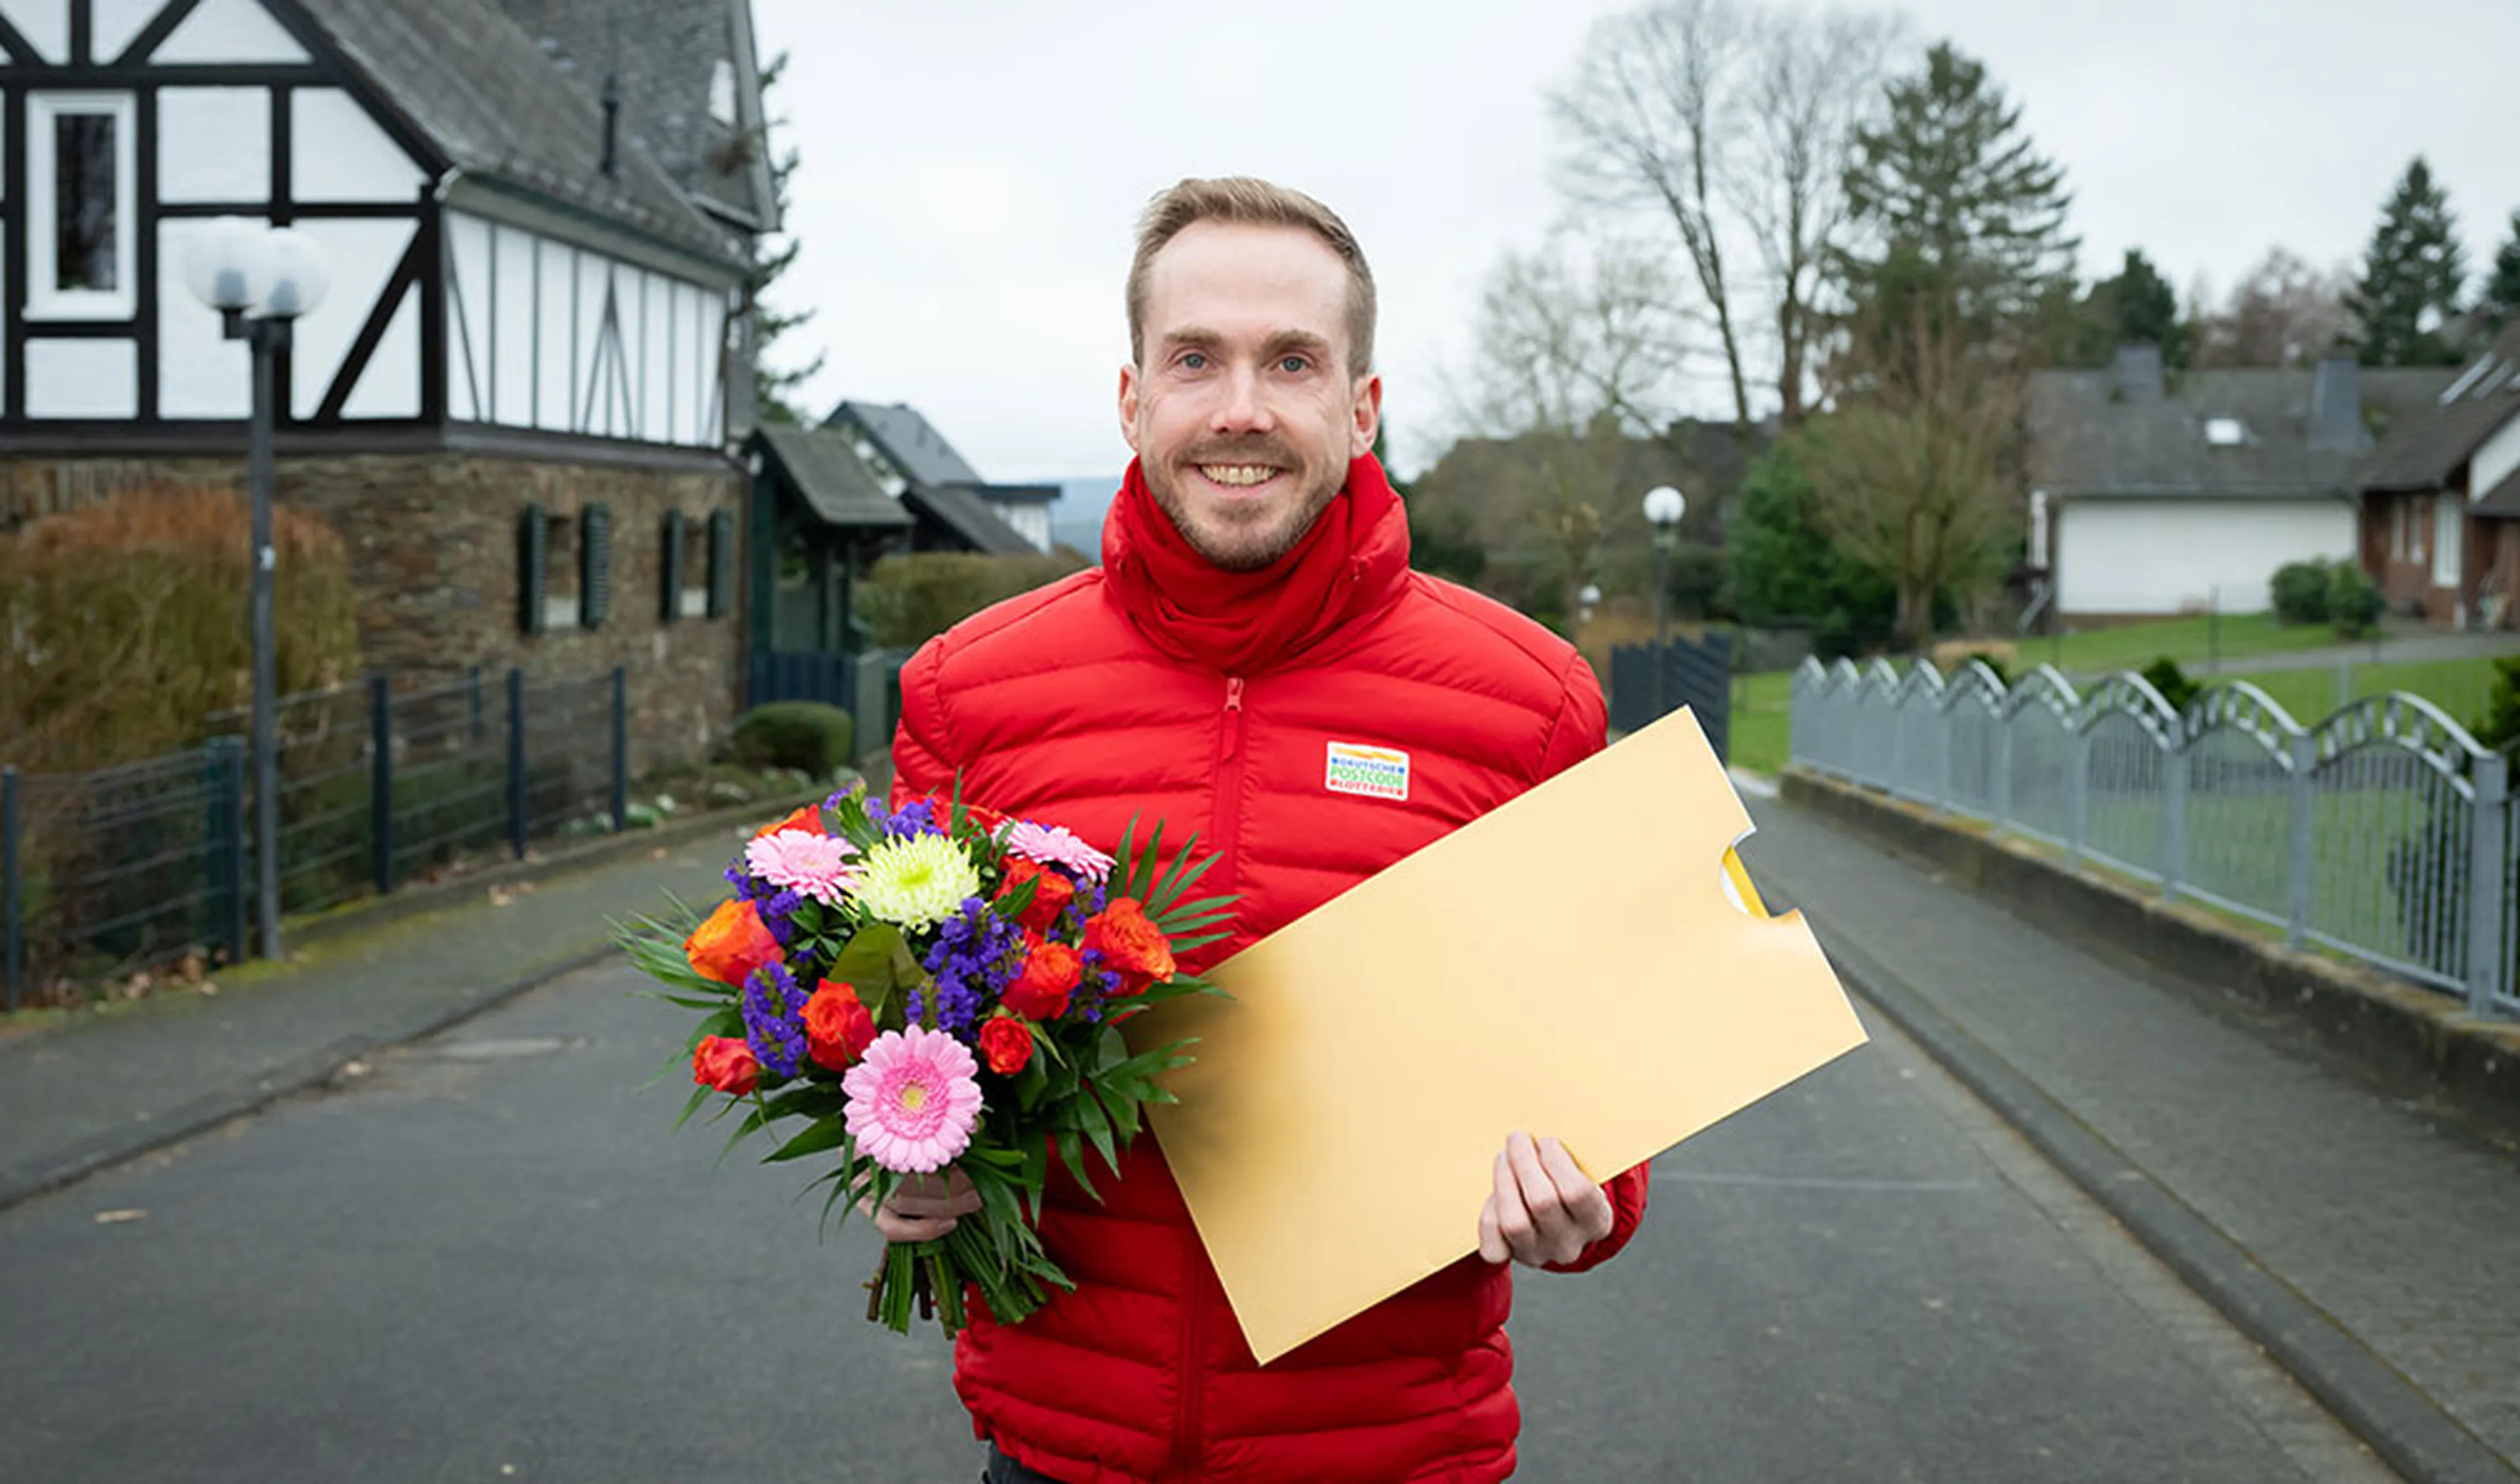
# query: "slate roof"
x,y
2091,441
970,516
470,80
823,467
910,441
2422,450
664,55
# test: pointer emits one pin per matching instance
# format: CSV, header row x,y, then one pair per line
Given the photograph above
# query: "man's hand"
x,y
1544,1209
925,1206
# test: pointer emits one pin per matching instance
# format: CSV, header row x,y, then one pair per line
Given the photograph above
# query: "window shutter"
x,y
670,607
594,565
532,537
721,560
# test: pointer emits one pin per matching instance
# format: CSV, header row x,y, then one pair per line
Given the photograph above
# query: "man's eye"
x,y
1295,365
1193,361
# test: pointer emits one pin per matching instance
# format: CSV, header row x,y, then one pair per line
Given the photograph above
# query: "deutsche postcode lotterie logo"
x,y
1367,772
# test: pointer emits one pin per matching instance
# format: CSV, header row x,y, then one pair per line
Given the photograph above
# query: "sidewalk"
x,y
2368,1249
106,1084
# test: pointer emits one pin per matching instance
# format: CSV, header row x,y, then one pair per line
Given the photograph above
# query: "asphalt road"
x,y
487,1258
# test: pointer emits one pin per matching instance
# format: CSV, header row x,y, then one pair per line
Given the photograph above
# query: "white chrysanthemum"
x,y
917,883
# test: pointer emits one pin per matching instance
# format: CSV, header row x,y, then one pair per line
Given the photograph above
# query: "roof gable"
x,y
909,440
2425,447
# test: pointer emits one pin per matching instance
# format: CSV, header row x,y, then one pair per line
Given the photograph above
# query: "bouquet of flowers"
x,y
905,989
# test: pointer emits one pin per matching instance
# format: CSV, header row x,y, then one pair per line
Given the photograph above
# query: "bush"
x,y
2500,726
2354,600
1993,661
2171,682
2301,592
805,735
127,624
907,601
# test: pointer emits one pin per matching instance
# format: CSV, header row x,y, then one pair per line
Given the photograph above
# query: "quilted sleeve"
x,y
1627,1192
923,761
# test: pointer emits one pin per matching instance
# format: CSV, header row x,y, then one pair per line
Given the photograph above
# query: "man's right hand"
x,y
926,1206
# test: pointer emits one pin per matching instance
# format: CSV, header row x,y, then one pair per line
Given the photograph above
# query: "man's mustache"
x,y
1269,452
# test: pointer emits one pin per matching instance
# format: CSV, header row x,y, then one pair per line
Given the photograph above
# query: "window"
x,y
2448,513
80,211
722,92
685,568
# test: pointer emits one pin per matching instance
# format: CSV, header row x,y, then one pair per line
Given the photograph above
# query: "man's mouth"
x,y
1238,475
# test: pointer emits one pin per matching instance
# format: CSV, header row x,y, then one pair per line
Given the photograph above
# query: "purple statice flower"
x,y
919,817
779,914
774,1019
976,953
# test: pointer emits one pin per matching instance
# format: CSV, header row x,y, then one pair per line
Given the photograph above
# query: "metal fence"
x,y
107,874
2383,831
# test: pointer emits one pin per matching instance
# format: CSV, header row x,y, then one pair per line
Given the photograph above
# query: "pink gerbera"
x,y
1054,845
913,1101
800,861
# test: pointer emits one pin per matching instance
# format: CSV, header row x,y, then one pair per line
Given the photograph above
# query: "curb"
x,y
2406,1429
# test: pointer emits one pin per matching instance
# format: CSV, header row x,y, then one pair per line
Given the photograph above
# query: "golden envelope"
x,y
1574,964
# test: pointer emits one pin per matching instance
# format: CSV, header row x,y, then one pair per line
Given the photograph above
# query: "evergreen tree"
x,y
1954,202
2500,299
771,389
2137,306
2411,276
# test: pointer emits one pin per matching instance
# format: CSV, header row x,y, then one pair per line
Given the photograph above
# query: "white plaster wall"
x,y
82,378
586,410
514,328
2172,556
391,386
2499,455
44,24
229,31
468,311
554,282
360,256
658,292
113,25
215,145
338,152
200,374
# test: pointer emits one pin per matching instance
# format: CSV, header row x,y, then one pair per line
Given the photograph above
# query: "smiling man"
x,y
1254,631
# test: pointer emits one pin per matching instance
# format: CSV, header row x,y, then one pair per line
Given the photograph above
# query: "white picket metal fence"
x,y
2383,831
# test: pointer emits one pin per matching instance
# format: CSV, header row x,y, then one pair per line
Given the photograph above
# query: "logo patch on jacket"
x,y
1367,772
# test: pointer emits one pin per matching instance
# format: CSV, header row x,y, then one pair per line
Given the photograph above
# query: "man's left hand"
x,y
1544,1209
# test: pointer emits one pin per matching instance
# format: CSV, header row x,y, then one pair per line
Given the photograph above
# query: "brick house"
x,y
520,400
2441,498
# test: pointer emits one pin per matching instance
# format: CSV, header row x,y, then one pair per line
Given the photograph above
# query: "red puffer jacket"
x,y
1158,686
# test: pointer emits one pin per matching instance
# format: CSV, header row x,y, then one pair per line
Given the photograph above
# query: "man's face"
x,y
1241,408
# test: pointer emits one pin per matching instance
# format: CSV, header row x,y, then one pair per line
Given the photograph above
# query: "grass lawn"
x,y
2459,687
2189,640
1762,718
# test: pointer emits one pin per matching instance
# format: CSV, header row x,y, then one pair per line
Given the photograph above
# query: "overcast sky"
x,y
972,169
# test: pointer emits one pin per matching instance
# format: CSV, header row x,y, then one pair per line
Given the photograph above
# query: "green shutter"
x,y
532,536
594,565
721,560
670,600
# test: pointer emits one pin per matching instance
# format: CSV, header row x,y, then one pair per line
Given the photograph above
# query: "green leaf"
x,y
1072,1151
867,964
1035,1076
1036,1173
699,1094
1122,1105
818,1136
1098,1128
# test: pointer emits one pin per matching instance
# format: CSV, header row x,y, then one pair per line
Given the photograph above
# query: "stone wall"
x,y
433,548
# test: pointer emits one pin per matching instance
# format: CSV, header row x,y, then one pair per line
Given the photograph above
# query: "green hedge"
x,y
806,735
907,601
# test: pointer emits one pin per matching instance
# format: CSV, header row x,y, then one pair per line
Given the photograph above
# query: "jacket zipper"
x,y
1226,814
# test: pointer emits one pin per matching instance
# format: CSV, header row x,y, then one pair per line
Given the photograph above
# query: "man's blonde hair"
x,y
1252,203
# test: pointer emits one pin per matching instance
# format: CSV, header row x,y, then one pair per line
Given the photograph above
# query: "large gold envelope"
x,y
1571,963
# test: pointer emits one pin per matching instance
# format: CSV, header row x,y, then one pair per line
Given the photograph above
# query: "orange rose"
x,y
1131,945
1007,1044
1050,976
726,1064
837,1028
1051,892
732,944
808,819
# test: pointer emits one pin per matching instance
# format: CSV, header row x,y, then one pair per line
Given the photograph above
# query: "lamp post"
x,y
1663,508
259,279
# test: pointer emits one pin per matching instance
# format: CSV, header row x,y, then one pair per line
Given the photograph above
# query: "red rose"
x,y
808,819
1050,976
732,944
1051,892
1131,945
838,1027
1005,1044
726,1064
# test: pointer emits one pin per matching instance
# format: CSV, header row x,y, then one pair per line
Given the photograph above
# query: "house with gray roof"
x,y
904,447
522,398
2155,493
2440,497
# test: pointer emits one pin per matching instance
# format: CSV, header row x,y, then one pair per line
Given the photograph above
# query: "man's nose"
x,y
1243,408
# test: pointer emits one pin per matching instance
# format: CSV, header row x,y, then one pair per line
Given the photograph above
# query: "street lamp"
x,y
259,279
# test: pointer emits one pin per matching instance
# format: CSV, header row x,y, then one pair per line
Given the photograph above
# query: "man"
x,y
1254,609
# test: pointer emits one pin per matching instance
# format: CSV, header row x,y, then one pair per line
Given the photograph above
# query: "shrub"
x,y
2500,726
907,601
126,624
2354,600
1999,664
2171,682
805,735
2301,592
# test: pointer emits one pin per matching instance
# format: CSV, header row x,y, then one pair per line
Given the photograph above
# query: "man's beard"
x,y
1242,546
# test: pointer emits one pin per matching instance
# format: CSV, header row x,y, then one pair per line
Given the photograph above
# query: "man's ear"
x,y
1129,405
1368,416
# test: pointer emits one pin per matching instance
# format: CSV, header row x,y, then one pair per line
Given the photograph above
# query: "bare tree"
x,y
1917,476
2283,313
1733,124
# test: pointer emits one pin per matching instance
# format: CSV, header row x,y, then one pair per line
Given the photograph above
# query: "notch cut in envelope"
x,y
1576,963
